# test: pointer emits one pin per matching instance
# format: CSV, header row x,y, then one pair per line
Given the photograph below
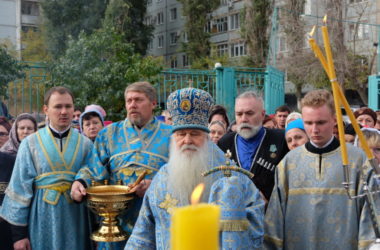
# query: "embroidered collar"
x,y
59,134
334,144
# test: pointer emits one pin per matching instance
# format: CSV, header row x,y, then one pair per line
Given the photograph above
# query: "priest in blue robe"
x,y
309,207
125,149
191,154
37,202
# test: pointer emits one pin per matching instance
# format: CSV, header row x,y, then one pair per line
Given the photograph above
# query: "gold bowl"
x,y
108,201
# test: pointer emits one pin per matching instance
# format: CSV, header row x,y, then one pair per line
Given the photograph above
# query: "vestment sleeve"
x,y
255,215
274,217
19,193
366,229
143,235
242,212
96,163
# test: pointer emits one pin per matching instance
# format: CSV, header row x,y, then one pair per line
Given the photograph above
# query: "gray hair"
x,y
251,94
142,87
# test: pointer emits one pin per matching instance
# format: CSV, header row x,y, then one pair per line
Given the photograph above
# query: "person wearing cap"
x,y
91,121
191,154
309,207
291,117
366,117
295,134
125,149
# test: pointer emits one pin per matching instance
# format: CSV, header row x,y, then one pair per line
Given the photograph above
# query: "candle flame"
x,y
325,19
197,193
312,31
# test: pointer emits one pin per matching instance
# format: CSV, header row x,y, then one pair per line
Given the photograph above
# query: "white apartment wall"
x,y
8,21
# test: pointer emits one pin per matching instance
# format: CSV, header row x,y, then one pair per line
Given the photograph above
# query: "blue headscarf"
x,y
295,124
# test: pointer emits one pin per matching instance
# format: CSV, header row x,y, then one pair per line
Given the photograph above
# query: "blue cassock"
x,y
122,153
242,210
309,207
38,195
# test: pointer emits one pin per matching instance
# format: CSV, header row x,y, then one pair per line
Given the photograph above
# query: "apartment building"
x,y
17,16
166,16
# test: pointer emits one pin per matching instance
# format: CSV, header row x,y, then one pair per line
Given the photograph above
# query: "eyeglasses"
x,y
3,134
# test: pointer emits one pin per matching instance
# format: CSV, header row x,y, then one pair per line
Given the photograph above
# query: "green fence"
x,y
223,83
26,95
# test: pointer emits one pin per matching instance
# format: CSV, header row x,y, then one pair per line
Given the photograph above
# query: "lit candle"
x,y
335,87
362,140
339,97
317,51
196,226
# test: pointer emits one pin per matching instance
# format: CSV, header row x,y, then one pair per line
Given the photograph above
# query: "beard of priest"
x,y
187,161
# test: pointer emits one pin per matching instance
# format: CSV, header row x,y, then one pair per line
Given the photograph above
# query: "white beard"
x,y
185,170
247,130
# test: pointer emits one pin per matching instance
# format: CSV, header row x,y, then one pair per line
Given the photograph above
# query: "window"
x,y
148,20
185,38
238,49
235,21
358,31
356,1
160,18
221,24
27,28
307,7
173,62
222,49
173,38
282,44
363,31
173,14
208,27
185,60
150,44
30,8
160,41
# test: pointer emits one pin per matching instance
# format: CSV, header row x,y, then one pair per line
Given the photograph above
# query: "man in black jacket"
x,y
254,147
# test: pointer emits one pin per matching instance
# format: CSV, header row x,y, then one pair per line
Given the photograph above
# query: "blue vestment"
x,y
38,195
309,207
122,153
152,229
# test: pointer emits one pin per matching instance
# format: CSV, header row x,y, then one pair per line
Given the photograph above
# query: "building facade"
x,y
17,16
167,18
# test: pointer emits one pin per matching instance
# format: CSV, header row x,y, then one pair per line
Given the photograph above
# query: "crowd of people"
x,y
293,197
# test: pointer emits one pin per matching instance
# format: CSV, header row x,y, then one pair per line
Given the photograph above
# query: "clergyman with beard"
x,y
253,147
125,149
191,154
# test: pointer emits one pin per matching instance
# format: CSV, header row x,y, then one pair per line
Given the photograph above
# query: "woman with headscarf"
x,y
91,121
366,117
217,130
24,125
295,134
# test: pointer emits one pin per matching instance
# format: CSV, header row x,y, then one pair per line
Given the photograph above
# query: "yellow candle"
x,y
317,51
195,227
339,97
355,124
335,86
